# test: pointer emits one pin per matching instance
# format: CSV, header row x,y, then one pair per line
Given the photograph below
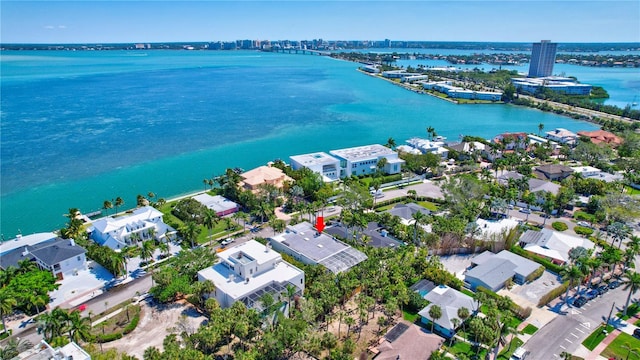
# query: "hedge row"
x,y
544,262
554,293
104,338
581,230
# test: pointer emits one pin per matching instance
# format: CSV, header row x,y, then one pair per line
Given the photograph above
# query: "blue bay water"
x,y
78,128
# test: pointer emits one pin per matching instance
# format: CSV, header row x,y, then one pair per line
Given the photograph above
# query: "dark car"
x,y
591,294
636,333
580,301
614,284
602,289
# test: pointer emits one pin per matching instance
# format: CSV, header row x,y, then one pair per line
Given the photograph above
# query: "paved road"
x,y
567,331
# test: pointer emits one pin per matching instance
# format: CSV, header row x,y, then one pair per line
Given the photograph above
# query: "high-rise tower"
x,y
543,56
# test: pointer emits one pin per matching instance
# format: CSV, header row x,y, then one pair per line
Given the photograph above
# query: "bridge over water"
x,y
301,51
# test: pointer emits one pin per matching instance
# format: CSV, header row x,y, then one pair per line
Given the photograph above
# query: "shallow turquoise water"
x,y
81,127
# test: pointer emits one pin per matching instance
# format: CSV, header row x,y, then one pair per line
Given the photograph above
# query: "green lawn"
x,y
509,349
429,205
631,191
529,329
461,347
410,316
596,337
624,346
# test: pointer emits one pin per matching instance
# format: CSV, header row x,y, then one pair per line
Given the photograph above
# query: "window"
x,y
79,258
301,281
56,267
250,271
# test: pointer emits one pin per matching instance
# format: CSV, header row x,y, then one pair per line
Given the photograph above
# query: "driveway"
x,y
427,188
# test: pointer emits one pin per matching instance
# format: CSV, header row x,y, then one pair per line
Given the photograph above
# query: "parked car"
x,y
602,289
636,333
525,211
584,224
614,284
591,294
519,354
227,241
579,302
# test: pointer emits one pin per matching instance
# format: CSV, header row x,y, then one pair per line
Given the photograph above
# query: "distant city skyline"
x,y
177,21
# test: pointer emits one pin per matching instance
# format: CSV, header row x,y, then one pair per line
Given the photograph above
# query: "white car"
x,y
519,354
227,241
584,224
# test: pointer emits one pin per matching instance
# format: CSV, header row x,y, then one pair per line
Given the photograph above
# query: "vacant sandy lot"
x,y
156,323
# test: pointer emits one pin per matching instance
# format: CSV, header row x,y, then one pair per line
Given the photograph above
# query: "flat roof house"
x,y
117,233
553,172
552,245
44,351
427,146
249,270
449,300
363,160
60,256
303,242
322,163
221,205
561,135
492,271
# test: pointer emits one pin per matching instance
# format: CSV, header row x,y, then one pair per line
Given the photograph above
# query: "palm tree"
x,y
7,302
349,321
419,218
391,143
79,327
572,274
618,232
14,347
164,247
631,282
210,220
540,127
431,131
190,231
106,205
118,202
463,314
435,313
147,249
239,215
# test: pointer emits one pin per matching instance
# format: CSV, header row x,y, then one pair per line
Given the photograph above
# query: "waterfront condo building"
x,y
249,270
543,56
363,160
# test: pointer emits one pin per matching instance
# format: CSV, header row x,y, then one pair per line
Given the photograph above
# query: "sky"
x,y
87,21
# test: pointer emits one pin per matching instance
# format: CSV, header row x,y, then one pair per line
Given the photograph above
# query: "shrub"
x,y
581,230
559,226
132,325
103,338
544,262
536,274
554,293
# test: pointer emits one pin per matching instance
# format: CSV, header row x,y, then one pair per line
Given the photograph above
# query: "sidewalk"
x,y
595,353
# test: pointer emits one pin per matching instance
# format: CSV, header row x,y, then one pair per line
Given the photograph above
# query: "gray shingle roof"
x,y
49,252
406,211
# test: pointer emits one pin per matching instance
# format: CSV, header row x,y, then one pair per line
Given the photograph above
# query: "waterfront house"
x,y
364,160
552,245
303,242
252,179
493,271
562,136
449,300
143,223
60,256
425,146
247,271
44,351
590,172
601,137
321,163
512,141
221,205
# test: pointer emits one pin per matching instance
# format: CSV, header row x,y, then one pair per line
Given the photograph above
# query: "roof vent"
x,y
231,278
319,245
25,252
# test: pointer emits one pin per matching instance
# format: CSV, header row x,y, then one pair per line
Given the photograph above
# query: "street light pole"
x,y
610,312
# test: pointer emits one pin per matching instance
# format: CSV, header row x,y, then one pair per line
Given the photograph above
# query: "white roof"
x,y
492,227
318,158
237,288
253,249
363,152
27,240
108,224
554,244
585,169
217,203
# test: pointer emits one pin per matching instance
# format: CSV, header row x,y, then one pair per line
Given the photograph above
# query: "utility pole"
x,y
610,312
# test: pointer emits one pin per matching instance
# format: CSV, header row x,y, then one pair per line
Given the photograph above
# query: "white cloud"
x,y
49,27
62,26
